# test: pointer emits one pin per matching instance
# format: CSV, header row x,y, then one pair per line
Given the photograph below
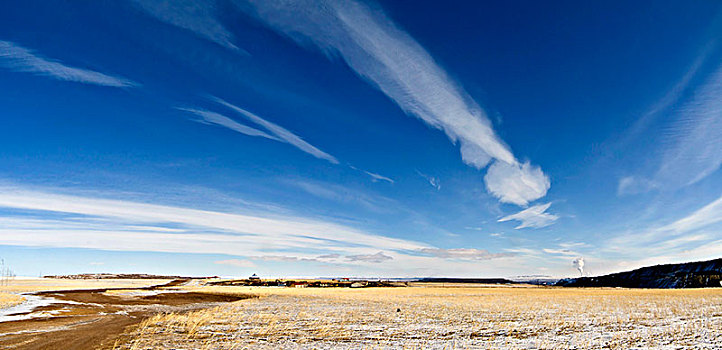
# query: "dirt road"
x,y
96,319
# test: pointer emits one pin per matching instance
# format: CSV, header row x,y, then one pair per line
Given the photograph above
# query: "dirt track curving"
x,y
95,319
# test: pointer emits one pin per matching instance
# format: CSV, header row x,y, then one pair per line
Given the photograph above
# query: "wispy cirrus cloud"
x,y
372,258
690,150
273,131
55,220
209,117
236,262
200,17
684,157
533,217
328,256
702,251
377,177
708,215
564,251
633,184
344,194
391,60
374,176
671,97
464,253
226,233
433,181
281,134
695,236
293,258
696,138
21,59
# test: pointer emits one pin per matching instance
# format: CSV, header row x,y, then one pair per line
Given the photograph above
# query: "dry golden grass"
x,y
9,299
23,285
436,317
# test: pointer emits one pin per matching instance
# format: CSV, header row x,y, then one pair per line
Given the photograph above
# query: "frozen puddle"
x,y
24,310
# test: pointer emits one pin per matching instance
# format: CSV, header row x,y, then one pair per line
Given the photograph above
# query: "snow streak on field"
x,y
444,318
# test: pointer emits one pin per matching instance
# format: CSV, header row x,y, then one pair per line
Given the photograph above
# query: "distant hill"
x,y
687,275
465,280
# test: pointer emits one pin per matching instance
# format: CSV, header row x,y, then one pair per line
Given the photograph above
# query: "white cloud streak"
x,y
464,253
230,233
236,263
705,216
344,194
707,251
372,258
391,60
697,140
633,185
280,133
282,258
670,98
565,252
376,177
433,181
693,237
209,117
533,217
65,221
197,16
20,59
54,220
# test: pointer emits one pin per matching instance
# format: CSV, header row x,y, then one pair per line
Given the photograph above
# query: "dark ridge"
x,y
700,274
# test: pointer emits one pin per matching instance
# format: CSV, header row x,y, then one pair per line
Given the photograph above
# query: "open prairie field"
x,y
190,314
441,318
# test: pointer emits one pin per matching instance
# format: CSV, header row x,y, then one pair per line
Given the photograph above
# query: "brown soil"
x,y
101,320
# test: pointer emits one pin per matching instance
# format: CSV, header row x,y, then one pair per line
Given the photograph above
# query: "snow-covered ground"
x,y
23,311
447,318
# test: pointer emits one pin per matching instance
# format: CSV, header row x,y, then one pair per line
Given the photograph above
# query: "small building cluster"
x,y
256,281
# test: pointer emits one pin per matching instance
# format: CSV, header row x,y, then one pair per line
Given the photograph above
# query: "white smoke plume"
x,y
579,265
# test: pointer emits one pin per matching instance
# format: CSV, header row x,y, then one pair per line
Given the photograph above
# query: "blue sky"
x,y
396,139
